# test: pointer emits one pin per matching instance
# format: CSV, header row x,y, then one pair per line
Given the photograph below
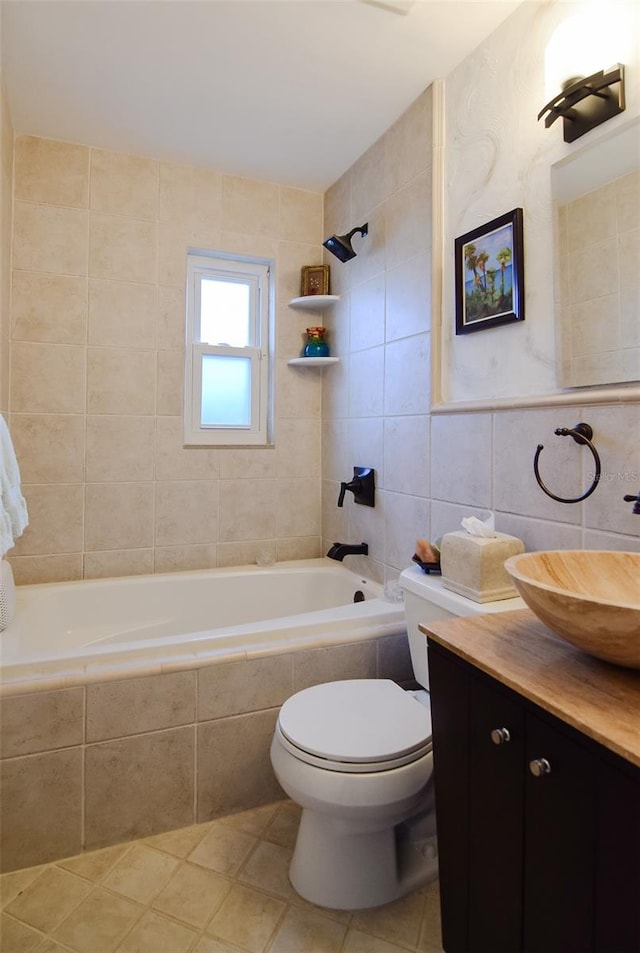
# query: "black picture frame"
x,y
489,274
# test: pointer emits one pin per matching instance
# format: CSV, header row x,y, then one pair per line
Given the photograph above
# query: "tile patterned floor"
x,y
220,887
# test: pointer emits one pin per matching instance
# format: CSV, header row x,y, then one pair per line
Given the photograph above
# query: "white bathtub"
x,y
77,632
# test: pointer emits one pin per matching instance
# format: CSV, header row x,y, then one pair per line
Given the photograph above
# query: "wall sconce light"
x,y
340,245
585,103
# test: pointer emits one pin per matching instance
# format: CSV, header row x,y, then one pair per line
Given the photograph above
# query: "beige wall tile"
x,y
186,512
237,687
406,369
174,461
248,553
124,184
247,509
250,206
314,666
131,562
303,547
122,313
408,220
49,447
300,216
123,249
136,705
170,383
171,318
234,768
50,239
52,172
183,558
406,454
407,144
461,451
516,437
28,570
55,520
47,378
119,449
138,786
121,381
298,448
247,464
299,393
41,722
299,509
49,308
394,658
189,194
42,806
119,516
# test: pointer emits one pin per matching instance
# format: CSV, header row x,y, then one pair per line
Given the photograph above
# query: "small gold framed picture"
x,y
315,280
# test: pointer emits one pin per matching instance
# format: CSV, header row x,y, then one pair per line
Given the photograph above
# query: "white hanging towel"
x,y
13,508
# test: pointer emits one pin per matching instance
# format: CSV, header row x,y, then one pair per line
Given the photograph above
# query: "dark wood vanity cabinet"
x,y
544,862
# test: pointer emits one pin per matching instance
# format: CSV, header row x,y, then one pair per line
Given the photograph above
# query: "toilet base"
x,y
336,867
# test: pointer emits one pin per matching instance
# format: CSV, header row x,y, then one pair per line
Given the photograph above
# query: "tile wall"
x,y
92,765
99,250
434,469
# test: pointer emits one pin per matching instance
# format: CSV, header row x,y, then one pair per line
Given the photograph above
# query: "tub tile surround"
x,y
215,887
95,408
111,761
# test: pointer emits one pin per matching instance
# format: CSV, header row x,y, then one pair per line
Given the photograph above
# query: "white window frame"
x,y
256,273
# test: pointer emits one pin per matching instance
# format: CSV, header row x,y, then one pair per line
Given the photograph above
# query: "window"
x,y
227,359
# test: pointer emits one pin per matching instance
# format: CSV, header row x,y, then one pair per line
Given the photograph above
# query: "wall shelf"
x,y
313,361
313,302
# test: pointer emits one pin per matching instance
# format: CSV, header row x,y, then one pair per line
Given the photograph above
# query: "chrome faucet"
x,y
340,550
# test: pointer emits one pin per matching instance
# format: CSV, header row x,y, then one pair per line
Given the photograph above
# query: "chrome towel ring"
x,y
581,433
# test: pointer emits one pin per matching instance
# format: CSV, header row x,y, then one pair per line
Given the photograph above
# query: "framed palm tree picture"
x,y
489,274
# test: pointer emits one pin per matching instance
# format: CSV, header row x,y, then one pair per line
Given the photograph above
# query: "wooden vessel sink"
x,y
590,598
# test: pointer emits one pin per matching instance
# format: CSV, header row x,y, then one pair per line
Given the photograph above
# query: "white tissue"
x,y
476,527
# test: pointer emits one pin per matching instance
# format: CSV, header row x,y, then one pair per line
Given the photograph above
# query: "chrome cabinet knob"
x,y
500,736
539,767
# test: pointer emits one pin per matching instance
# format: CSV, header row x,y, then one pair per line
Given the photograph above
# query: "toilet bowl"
x,y
356,756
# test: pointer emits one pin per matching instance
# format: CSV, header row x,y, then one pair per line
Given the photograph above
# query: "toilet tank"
x,y
426,600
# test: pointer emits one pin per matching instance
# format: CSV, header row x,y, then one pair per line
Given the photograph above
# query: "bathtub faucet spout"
x,y
340,550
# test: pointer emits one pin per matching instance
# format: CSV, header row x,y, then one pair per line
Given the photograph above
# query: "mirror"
x,y
596,207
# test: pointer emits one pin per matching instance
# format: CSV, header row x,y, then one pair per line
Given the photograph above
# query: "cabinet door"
x,y
559,847
450,718
617,927
496,787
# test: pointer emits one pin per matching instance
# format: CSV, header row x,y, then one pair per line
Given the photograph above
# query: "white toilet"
x,y
356,756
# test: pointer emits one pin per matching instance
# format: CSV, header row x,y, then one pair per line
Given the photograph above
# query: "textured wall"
x,y
498,157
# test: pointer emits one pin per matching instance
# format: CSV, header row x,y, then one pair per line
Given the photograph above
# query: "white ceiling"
x,y
288,91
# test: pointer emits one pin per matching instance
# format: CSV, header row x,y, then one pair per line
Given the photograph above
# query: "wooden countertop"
x,y
599,699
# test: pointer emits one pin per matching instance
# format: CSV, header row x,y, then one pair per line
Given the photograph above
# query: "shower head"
x,y
340,245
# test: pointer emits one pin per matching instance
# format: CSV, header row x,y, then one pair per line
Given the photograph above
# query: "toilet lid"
x,y
356,721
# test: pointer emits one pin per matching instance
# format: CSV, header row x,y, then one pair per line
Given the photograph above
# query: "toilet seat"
x,y
355,726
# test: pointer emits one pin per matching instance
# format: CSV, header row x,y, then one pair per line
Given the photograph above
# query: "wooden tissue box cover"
x,y
474,565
